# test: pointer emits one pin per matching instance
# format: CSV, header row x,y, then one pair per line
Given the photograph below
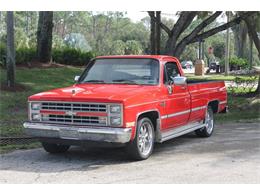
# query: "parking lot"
x,y
231,155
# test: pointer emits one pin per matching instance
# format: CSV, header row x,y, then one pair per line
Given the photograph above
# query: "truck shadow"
x,y
78,158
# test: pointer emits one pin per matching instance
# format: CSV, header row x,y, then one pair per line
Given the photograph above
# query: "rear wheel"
x,y
142,146
209,124
55,148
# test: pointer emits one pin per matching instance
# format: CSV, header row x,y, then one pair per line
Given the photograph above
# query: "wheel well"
x,y
152,115
214,105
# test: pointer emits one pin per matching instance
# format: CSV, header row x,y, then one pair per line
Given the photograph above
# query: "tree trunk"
x,y
27,24
10,58
180,26
253,34
250,52
152,33
44,36
257,91
240,35
158,32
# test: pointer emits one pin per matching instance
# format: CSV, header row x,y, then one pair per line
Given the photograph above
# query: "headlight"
x,y
115,108
36,117
35,106
115,120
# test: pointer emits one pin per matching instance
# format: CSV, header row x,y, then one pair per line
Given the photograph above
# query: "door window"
x,y
171,70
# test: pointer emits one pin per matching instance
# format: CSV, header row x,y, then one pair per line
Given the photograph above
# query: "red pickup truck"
x,y
133,101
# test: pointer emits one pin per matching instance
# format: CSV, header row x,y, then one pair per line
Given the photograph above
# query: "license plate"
x,y
69,134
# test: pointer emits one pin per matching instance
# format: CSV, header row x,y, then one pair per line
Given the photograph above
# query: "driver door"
x,y
178,102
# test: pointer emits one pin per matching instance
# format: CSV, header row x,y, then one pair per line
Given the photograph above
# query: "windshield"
x,y
125,71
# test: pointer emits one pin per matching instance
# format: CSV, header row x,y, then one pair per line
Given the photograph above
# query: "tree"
x,y
10,58
252,26
133,47
118,48
219,48
240,35
158,32
155,29
152,33
175,46
44,36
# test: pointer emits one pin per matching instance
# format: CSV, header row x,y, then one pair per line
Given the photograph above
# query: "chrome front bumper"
x,y
81,133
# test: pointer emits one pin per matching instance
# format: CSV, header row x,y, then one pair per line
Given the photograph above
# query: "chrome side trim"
x,y
223,102
198,108
164,116
144,103
176,132
183,112
178,113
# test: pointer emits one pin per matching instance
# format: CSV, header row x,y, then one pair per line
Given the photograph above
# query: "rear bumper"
x,y
78,133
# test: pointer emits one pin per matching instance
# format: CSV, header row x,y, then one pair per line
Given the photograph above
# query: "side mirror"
x,y
76,78
180,81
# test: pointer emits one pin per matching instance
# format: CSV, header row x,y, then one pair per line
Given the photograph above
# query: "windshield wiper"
x,y
94,81
125,81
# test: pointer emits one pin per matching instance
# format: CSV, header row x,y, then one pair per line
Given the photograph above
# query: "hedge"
x,y
67,56
71,56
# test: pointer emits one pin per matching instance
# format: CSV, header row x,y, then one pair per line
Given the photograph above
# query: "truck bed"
x,y
197,81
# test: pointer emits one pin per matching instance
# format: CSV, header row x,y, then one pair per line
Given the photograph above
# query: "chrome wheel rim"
x,y
209,122
145,138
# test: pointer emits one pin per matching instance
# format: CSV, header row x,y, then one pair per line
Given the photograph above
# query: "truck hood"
x,y
97,93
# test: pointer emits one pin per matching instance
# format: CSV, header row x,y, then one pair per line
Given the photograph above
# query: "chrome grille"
x,y
70,109
72,119
86,107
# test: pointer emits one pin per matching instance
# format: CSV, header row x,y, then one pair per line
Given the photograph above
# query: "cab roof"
x,y
158,57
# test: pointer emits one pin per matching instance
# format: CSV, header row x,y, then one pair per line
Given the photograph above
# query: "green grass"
x,y
9,148
13,105
241,109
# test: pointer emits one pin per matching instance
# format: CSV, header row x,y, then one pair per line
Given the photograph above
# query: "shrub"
x,y
239,62
242,85
22,55
2,55
64,55
71,56
25,55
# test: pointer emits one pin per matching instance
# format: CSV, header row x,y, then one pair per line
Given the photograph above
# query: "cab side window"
x,y
170,71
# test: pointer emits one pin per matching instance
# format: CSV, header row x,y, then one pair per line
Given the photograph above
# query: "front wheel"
x,y
209,124
142,146
55,148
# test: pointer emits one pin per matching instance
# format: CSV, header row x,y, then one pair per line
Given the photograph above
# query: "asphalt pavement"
x,y
231,155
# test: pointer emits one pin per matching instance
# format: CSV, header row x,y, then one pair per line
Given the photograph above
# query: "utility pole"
x,y
227,48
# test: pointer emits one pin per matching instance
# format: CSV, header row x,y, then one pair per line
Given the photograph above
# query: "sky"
x,y
136,16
